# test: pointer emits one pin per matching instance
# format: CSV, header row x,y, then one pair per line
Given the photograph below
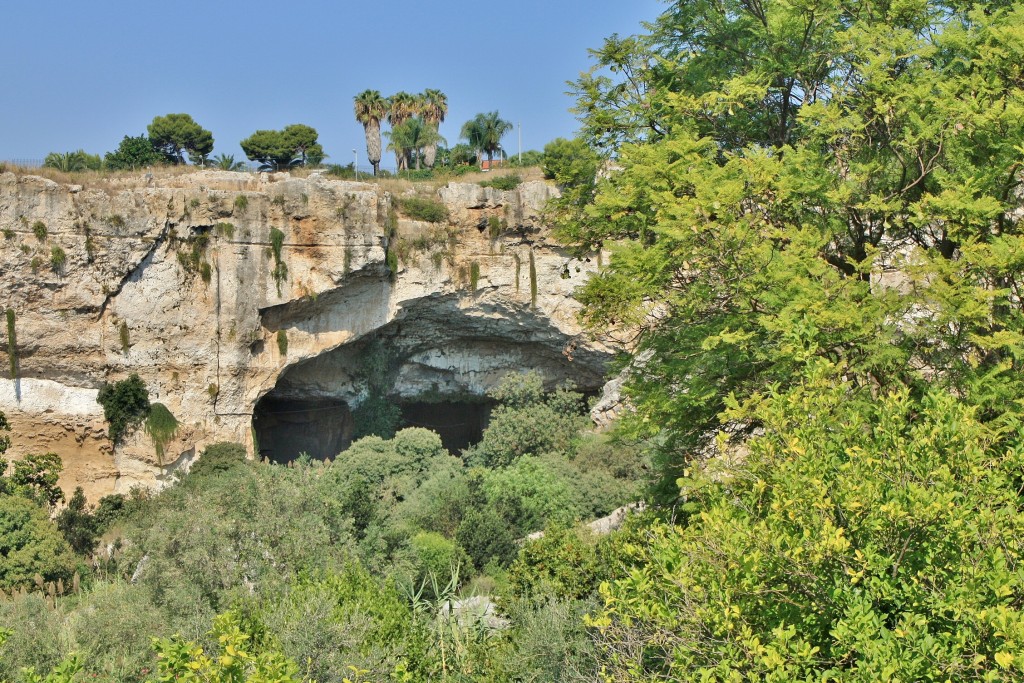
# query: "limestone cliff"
x,y
238,295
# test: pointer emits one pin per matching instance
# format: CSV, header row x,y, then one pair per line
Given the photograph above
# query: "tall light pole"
x,y
355,164
520,143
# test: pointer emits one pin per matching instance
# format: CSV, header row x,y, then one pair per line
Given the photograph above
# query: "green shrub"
x,y
421,209
486,537
57,259
241,202
376,415
125,406
35,264
79,528
124,336
225,230
280,271
431,558
217,458
39,230
474,275
282,342
505,182
116,221
161,426
205,272
8,234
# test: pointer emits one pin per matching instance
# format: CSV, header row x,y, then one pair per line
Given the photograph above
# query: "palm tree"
x,y
435,108
410,138
403,107
371,108
226,162
484,133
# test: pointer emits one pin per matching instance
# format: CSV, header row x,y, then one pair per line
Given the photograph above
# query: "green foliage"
x,y
132,154
35,264
124,336
226,230
73,162
30,545
505,182
484,133
234,660
564,563
376,415
486,537
77,525
12,345
421,209
35,477
280,271
889,524
430,558
58,259
282,342
161,426
39,230
410,138
528,422
474,275
217,458
295,145
125,406
241,202
226,162
205,272
174,135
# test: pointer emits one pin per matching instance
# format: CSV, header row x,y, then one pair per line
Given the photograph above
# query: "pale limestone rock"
x,y
209,350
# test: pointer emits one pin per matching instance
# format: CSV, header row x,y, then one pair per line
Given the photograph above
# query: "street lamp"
x,y
355,164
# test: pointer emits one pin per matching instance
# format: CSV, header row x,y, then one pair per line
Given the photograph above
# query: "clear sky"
x,y
85,74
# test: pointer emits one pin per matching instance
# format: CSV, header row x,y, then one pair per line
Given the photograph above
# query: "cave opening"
x,y
460,424
286,427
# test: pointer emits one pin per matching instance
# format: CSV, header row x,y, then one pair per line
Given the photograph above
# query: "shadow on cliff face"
x,y
323,427
287,427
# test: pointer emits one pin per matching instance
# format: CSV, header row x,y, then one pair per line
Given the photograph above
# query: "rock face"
x,y
239,296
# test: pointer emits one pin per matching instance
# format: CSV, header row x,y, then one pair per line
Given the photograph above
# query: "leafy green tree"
x,y
132,154
779,192
35,476
370,109
484,133
174,135
527,421
862,538
295,145
30,544
77,524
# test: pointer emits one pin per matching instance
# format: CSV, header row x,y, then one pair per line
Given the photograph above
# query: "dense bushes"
x,y
125,406
421,209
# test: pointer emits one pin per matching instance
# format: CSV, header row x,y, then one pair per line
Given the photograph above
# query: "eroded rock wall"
x,y
178,278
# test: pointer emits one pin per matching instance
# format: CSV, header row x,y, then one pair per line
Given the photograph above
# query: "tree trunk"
x,y
373,144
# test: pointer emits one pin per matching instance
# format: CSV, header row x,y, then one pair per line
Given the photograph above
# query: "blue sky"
x,y
84,74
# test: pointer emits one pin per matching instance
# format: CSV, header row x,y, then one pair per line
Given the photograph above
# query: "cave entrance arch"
x,y
435,362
